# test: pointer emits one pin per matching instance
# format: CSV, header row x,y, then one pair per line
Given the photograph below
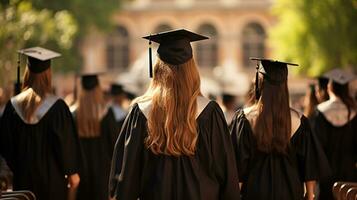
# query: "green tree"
x,y
90,14
22,25
319,35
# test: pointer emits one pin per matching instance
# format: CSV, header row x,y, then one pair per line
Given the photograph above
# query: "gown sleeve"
x,y
125,175
311,158
110,131
66,142
242,144
6,139
319,127
223,154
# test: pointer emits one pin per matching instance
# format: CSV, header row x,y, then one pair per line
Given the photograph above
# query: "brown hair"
x,y
272,127
40,85
91,108
172,120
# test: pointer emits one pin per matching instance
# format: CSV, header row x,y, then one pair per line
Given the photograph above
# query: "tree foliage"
x,y
23,26
319,35
88,13
59,25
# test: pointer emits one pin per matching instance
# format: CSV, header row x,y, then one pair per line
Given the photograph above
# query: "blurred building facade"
x,y
237,31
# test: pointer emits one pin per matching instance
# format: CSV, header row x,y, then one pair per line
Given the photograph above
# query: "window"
x,y
207,50
253,42
118,49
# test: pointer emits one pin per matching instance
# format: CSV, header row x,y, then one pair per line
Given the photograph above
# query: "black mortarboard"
x,y
116,89
339,76
90,80
38,60
175,47
275,72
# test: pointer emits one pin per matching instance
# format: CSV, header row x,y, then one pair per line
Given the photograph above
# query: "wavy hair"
x,y
172,127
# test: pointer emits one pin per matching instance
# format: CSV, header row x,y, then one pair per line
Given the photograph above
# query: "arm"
x,y
66,144
310,190
241,144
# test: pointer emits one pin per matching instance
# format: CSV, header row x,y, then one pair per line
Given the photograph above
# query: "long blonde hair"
x,y
172,120
91,108
40,85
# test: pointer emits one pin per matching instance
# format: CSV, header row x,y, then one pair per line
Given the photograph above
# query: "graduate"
x,y
276,152
38,138
116,113
175,143
335,124
321,89
310,101
95,134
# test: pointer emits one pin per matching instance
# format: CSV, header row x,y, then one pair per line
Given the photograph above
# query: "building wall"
x,y
143,17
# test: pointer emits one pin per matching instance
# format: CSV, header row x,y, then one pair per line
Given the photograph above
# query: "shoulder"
x,y
335,112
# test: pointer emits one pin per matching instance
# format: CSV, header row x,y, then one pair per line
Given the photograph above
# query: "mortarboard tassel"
x,y
257,93
18,83
150,59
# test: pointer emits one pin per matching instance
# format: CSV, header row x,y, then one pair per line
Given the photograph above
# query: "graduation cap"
x,y
38,60
174,46
89,80
339,76
274,71
116,89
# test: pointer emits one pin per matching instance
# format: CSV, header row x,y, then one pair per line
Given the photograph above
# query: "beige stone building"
x,y
237,30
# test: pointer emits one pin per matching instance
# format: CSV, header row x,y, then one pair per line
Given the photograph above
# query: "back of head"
x,y
40,85
272,125
310,101
342,92
172,120
321,92
339,86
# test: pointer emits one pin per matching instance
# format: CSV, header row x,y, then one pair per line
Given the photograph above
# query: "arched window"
x,y
162,28
207,50
118,49
253,38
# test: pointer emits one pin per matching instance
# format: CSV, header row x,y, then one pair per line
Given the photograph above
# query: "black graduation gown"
x,y
340,146
41,154
208,175
95,165
112,125
275,176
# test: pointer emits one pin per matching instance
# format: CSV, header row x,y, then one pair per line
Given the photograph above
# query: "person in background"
x,y
174,143
116,113
38,138
335,125
310,101
276,152
321,89
95,135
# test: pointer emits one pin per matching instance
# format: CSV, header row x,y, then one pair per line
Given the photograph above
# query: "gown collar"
x,y
335,112
202,102
40,112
